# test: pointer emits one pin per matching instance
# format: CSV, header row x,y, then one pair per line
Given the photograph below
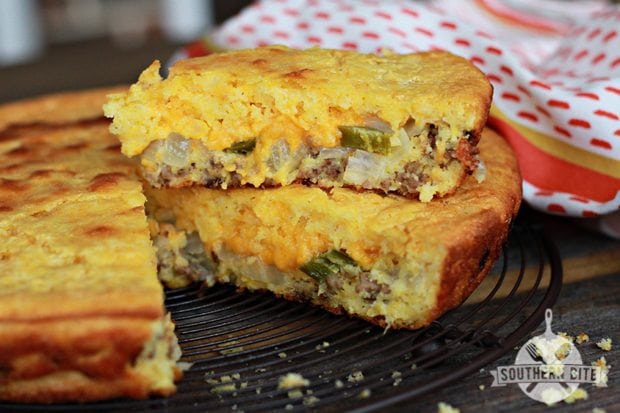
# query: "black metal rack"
x,y
240,344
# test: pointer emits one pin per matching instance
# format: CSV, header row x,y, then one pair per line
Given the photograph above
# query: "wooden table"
x,y
589,300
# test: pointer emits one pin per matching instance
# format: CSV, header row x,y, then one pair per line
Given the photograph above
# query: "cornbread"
x,y
275,116
81,309
394,261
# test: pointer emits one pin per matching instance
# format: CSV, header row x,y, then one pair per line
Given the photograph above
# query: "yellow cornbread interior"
x,y
301,96
262,237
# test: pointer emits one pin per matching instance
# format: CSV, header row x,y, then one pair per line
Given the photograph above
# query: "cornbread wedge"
x,y
81,309
393,261
274,116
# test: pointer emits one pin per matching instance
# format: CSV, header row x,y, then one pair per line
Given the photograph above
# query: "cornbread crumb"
x,y
414,366
582,338
339,384
598,410
578,394
566,336
292,380
261,370
258,390
295,394
481,387
310,400
224,388
396,375
355,376
288,407
282,355
601,363
364,394
236,376
322,346
604,344
446,408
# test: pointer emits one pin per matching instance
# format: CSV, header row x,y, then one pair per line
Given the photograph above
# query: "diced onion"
x,y
364,168
176,151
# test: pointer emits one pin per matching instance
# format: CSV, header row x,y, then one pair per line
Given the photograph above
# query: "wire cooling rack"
x,y
241,344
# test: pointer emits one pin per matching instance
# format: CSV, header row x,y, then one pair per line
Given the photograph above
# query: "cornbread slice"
x,y
393,261
274,116
81,309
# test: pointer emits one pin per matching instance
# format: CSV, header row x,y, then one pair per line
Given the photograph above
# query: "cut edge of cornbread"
x,y
273,116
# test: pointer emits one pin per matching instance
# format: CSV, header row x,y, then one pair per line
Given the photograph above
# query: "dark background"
x,y
92,61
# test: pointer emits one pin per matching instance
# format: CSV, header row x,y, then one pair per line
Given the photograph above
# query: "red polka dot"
x,y
357,20
424,31
598,58
524,90
397,32
527,115
268,19
247,29
511,96
477,59
303,25
314,39
494,50
335,29
606,114
262,43
543,111
383,15
598,79
594,33
558,104
610,36
615,63
409,12
494,78
232,39
349,45
600,143
586,213
562,131
588,95
484,34
321,15
462,42
410,46
540,84
506,69
281,35
557,208
580,55
370,35
291,12
579,123
617,132
613,89
448,25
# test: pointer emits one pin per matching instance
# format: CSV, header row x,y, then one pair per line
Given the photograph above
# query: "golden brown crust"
x,y
57,108
79,295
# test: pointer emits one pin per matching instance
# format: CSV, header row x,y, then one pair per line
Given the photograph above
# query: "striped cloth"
x,y
554,65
